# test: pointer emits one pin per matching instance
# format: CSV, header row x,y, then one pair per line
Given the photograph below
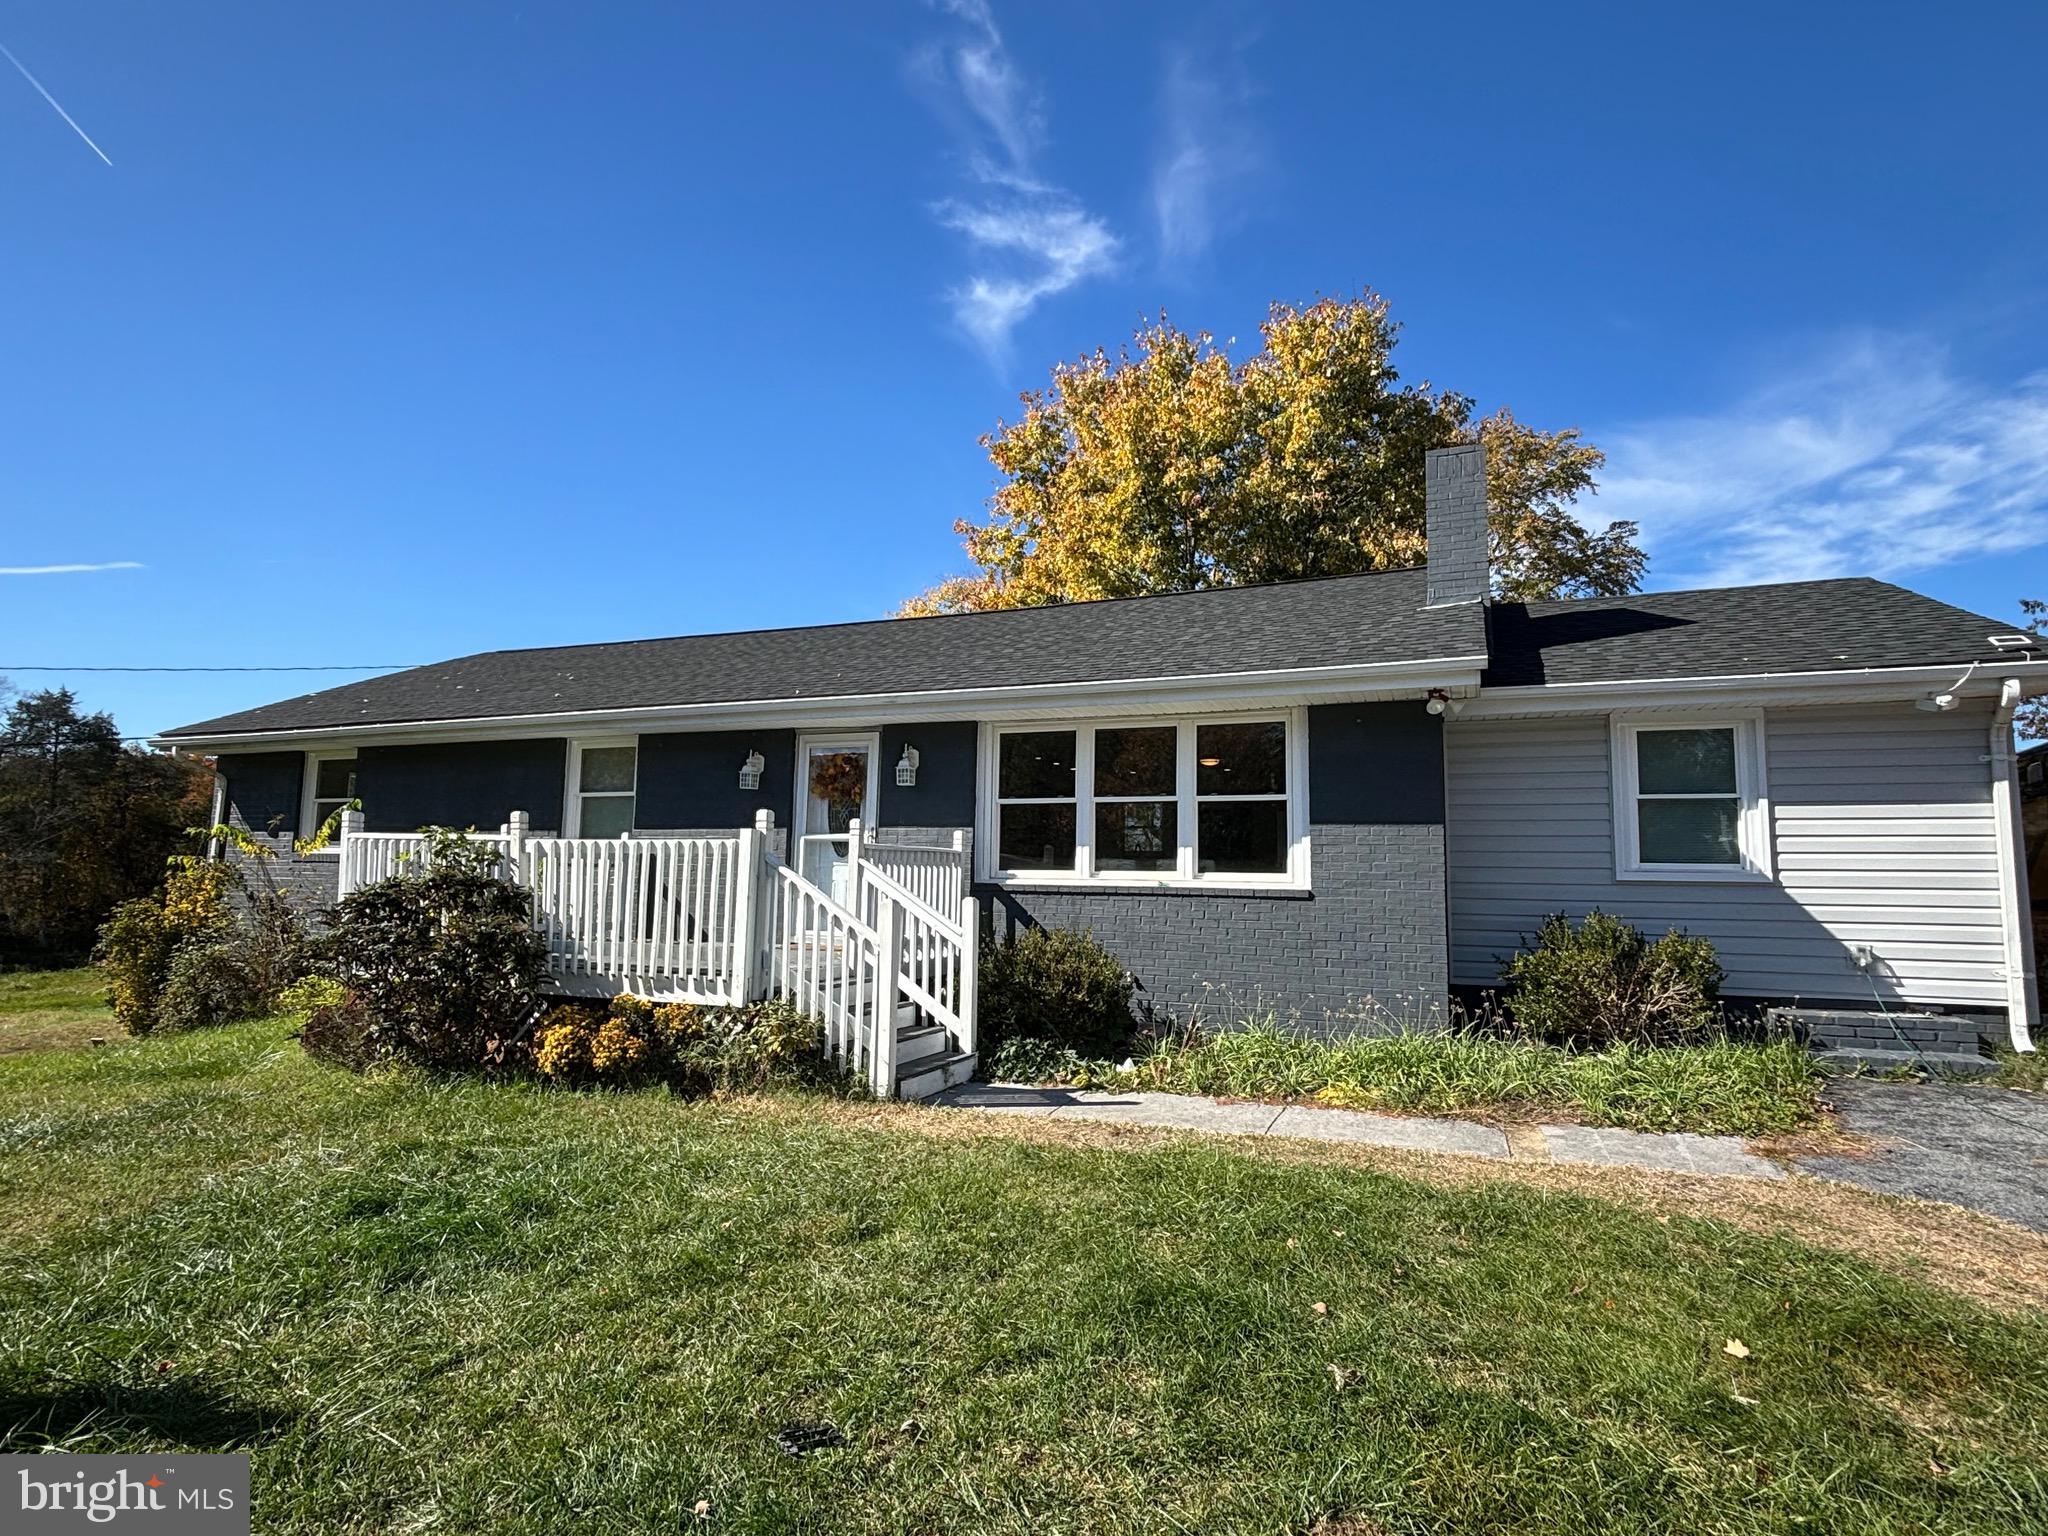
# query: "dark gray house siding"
x,y
1364,948
943,797
690,780
460,784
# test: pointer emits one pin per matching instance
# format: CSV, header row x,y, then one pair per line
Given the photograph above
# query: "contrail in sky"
x,y
32,80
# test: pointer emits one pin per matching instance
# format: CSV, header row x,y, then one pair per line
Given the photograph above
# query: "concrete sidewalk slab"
x,y
1409,1134
1175,1109
1675,1152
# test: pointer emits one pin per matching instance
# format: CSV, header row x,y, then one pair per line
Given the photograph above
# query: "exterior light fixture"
x,y
750,771
906,766
1209,762
1441,702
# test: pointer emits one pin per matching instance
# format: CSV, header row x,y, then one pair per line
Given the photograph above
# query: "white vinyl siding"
x,y
1882,829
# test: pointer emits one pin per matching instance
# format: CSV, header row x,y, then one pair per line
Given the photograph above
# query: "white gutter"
x,y
1457,675
2023,1002
1845,685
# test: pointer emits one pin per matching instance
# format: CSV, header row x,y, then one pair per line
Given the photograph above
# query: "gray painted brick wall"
x,y
1861,1029
1364,952
1454,481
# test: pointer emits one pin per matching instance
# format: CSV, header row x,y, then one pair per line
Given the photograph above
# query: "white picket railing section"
x,y
935,955
722,919
935,876
655,916
367,857
830,964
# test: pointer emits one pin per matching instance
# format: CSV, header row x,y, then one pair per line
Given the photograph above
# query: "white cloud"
x,y
1031,239
1207,150
69,570
1870,457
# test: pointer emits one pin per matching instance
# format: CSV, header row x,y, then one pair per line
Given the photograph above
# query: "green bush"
x,y
210,981
337,1028
1058,986
1603,983
444,966
141,937
1021,1059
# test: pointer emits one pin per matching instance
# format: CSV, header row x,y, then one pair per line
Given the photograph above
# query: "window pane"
x,y
607,815
1695,762
1688,831
1241,759
1036,837
607,768
322,809
1137,834
1037,765
1138,762
1246,837
335,779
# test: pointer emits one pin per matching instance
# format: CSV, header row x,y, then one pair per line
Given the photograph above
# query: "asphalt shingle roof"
x,y
1804,626
1794,626
1336,621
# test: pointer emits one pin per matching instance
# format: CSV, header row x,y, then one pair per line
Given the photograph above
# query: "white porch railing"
x,y
935,876
722,919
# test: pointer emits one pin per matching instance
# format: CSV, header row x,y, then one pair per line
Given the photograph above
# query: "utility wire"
x,y
368,666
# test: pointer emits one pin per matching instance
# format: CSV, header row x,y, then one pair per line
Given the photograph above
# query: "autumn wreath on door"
x,y
840,780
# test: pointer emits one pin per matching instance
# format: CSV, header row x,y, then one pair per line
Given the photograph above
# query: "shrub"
x,y
1021,1059
1603,983
337,1030
139,940
1059,986
700,1050
309,994
209,981
445,965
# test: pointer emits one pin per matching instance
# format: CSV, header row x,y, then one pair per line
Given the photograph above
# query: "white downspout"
x,y
2022,1001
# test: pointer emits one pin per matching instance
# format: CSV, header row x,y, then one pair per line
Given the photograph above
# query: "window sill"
x,y
1703,874
1072,887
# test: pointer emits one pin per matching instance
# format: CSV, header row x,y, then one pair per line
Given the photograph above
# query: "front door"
x,y
835,782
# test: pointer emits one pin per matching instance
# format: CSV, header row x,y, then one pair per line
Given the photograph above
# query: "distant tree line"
x,y
85,822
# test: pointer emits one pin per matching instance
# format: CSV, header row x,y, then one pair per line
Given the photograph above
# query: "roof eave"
x,y
1848,685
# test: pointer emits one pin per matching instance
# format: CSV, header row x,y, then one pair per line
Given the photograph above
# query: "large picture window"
x,y
1147,802
1689,799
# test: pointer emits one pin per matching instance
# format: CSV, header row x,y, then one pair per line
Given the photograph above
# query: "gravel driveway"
x,y
1986,1148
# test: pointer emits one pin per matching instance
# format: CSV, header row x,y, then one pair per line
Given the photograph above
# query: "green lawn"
x,y
471,1308
42,1009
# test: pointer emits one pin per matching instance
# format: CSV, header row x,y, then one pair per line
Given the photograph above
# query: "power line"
x,y
368,666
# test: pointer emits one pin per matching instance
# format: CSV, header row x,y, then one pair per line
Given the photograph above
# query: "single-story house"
x,y
1322,797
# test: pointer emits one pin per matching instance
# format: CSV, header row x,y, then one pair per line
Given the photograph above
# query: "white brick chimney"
x,y
1454,482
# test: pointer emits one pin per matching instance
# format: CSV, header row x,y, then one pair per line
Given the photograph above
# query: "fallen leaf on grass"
x,y
1340,1376
1321,1309
1736,1348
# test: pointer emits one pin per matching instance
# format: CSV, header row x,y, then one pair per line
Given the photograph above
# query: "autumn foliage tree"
x,y
1169,468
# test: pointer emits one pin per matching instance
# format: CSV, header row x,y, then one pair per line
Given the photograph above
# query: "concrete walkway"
x,y
1723,1155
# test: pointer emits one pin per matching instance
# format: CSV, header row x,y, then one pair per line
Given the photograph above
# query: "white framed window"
x,y
330,786
1218,801
1689,797
599,799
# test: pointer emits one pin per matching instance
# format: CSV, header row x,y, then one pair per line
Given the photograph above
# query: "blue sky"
x,y
395,332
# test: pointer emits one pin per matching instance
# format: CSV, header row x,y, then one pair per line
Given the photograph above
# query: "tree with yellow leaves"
x,y
1168,468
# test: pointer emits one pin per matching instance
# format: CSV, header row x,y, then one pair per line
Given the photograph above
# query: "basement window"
x,y
1689,799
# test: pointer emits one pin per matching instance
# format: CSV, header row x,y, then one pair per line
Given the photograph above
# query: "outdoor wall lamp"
x,y
750,771
906,766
